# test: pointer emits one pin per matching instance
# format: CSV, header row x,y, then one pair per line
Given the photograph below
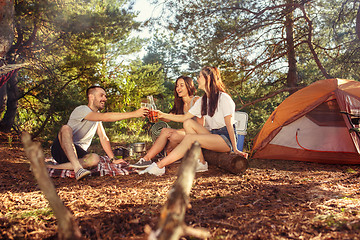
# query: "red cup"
x,y
153,116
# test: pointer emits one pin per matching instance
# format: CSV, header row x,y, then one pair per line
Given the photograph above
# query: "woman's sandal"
x,y
81,173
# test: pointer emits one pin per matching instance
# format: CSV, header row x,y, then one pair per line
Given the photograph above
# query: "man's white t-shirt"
x,y
226,107
83,130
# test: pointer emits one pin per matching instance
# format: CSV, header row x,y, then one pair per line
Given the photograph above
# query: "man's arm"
x,y
116,116
104,140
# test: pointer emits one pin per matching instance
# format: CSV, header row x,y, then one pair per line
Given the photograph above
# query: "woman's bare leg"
x,y
175,139
159,144
193,127
209,141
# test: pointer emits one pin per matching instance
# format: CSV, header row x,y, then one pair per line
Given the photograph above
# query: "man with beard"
x,y
70,146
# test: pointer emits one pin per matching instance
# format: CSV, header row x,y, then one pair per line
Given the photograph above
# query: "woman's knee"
x,y
189,123
167,132
176,137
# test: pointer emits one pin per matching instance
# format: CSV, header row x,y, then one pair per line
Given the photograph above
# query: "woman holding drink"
x,y
169,138
218,109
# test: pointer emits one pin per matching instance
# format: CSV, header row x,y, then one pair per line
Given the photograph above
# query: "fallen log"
x,y
171,224
228,161
67,227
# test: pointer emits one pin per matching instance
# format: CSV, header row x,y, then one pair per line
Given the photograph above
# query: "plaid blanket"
x,y
103,168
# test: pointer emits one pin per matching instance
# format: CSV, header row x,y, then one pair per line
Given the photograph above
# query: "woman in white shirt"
x,y
169,138
218,110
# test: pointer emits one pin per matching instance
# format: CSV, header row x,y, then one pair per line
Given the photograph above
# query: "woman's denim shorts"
x,y
225,135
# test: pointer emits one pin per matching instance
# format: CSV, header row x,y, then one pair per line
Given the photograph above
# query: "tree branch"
x,y
67,227
357,27
309,42
171,224
270,95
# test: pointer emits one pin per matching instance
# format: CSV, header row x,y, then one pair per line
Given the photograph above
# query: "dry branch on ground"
x,y
67,227
171,224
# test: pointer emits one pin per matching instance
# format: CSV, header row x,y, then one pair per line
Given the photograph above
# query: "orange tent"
x,y
308,125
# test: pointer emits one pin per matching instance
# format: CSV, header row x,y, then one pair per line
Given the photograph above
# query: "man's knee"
x,y
90,160
65,130
65,135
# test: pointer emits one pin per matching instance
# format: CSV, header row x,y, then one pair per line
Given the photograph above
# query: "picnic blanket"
x,y
104,168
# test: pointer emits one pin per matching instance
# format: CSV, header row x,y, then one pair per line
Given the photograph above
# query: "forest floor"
x,y
271,200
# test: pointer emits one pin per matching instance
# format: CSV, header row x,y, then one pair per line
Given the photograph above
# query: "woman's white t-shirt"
x,y
226,107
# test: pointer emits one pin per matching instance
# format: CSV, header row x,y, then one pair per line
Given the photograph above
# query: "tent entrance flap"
x,y
327,114
314,137
299,144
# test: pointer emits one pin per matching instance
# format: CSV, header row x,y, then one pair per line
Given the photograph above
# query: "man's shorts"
x,y
59,155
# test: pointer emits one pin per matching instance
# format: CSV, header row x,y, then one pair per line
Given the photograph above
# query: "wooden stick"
x,y
230,162
67,227
171,224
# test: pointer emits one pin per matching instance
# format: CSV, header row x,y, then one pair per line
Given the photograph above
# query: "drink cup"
x,y
153,116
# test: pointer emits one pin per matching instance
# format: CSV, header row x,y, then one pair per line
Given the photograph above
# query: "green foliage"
x,y
127,88
259,112
172,51
75,46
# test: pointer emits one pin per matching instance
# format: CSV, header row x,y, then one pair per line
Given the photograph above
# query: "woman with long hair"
x,y
169,138
218,110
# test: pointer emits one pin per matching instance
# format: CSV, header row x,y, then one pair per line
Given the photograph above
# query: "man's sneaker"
x,y
142,163
154,169
201,167
81,173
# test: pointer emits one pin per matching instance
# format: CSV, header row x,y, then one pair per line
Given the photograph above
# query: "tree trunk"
x,y
12,103
292,77
6,40
228,161
11,54
6,26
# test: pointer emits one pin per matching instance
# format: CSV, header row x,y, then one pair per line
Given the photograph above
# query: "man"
x,y
70,146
